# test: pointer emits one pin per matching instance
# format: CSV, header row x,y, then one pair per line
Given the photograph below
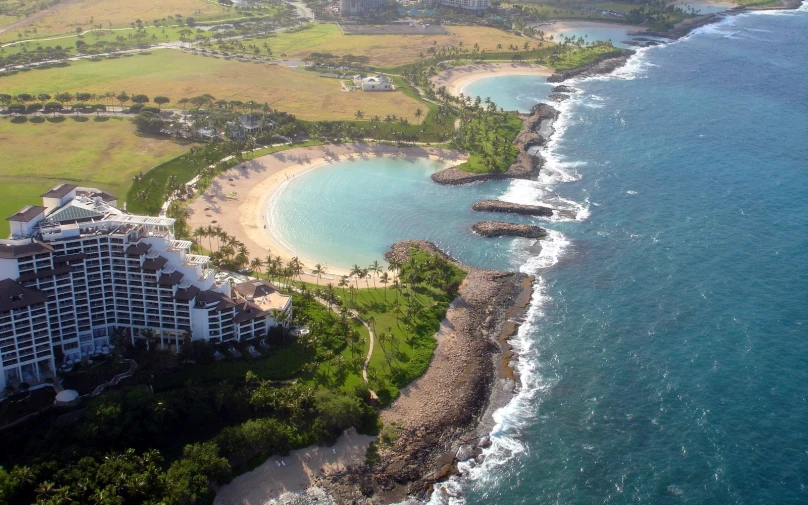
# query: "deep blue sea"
x,y
665,357
667,361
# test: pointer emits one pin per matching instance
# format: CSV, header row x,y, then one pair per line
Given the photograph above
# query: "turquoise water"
x,y
351,212
592,34
516,92
665,356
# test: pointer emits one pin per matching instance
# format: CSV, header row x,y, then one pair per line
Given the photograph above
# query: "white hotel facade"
x,y
77,268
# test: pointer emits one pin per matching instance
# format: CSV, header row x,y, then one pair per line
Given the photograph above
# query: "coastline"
x,y
237,200
554,28
296,472
443,417
460,438
537,128
455,79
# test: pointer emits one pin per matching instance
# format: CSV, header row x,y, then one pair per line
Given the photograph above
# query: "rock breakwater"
x,y
502,229
512,208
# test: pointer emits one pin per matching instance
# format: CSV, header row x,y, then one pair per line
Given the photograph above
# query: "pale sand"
x,y
255,181
565,26
716,3
269,481
457,78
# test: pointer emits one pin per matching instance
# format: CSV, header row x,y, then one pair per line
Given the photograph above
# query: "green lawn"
x,y
102,153
383,50
579,57
178,74
112,13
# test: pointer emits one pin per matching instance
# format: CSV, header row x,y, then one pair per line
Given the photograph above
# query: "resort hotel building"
x,y
77,269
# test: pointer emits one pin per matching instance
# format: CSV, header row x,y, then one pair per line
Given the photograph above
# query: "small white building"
x,y
376,83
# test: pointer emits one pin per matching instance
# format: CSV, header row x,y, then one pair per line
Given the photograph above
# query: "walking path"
x,y
37,15
354,314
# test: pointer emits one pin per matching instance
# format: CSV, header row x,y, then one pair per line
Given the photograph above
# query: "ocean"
x,y
664,359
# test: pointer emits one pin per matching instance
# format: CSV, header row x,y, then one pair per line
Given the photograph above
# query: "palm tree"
x,y
256,264
317,271
343,281
374,269
384,279
356,272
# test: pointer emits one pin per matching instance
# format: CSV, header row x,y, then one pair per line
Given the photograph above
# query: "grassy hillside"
x,y
106,154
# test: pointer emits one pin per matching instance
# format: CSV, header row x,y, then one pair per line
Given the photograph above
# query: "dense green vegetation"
x,y
489,140
404,313
187,423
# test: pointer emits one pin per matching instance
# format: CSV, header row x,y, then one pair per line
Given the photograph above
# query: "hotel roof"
x,y
262,293
27,213
95,192
14,296
59,191
21,251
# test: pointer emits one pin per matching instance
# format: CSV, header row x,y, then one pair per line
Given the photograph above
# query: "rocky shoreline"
x,y
527,166
503,229
598,67
440,418
512,208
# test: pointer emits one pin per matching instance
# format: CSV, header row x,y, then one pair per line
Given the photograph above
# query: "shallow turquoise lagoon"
x,y
351,212
514,92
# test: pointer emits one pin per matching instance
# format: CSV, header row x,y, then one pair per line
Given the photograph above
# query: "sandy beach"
x,y
237,200
565,26
294,473
455,79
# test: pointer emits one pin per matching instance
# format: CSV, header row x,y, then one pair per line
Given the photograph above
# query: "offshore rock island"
x,y
512,208
503,229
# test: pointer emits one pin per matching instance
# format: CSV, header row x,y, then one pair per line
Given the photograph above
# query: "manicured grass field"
x,y
105,154
384,50
177,74
115,13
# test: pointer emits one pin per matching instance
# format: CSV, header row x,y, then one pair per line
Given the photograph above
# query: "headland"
x,y
437,419
537,127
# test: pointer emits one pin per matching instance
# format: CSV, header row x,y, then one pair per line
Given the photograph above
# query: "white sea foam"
x,y
519,412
